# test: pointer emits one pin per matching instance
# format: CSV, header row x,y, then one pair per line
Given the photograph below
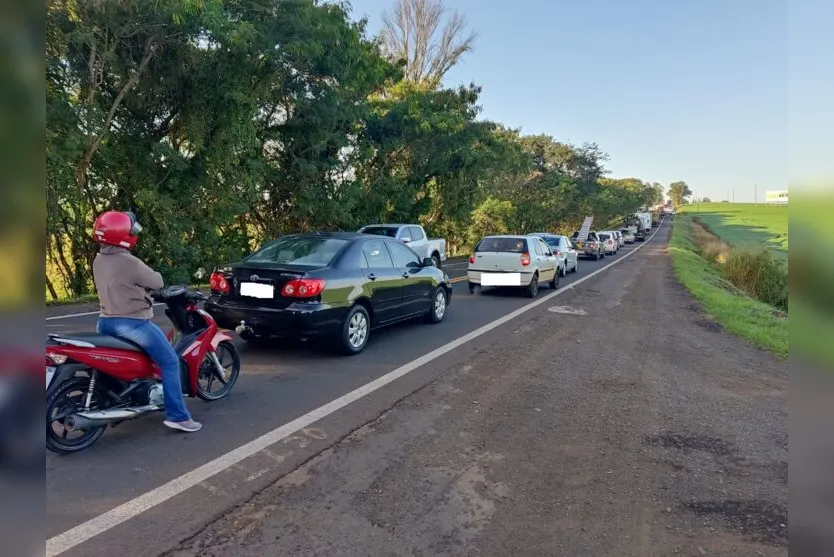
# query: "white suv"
x,y
513,260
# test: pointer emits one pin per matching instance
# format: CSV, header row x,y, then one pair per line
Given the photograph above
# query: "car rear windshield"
x,y
390,231
553,241
509,245
312,251
603,236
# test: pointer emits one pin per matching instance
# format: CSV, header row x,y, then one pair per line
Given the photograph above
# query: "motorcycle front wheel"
x,y
65,401
209,376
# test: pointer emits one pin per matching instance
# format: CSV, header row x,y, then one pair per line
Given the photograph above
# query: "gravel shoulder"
x,y
670,438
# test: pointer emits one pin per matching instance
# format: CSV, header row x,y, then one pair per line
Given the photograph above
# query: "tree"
x,y
659,198
417,37
678,192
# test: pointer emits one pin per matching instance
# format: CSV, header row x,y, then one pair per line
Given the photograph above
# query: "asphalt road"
x,y
276,386
667,437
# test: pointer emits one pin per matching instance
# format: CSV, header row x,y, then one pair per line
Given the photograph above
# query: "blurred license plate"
x,y
50,373
257,290
501,279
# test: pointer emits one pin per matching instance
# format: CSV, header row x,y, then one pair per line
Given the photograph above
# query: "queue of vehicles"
x,y
339,286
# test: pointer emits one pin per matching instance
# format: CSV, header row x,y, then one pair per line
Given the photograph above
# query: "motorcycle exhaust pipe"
x,y
98,418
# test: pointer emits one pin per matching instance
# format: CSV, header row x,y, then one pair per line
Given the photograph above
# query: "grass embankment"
x,y
699,259
746,225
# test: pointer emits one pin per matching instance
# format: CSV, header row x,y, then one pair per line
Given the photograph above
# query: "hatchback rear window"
x,y
509,245
603,236
313,251
552,241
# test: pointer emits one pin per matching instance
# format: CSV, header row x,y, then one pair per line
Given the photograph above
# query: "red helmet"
x,y
117,229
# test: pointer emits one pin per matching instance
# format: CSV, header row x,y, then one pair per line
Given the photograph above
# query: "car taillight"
x,y
218,283
559,253
303,288
525,259
471,258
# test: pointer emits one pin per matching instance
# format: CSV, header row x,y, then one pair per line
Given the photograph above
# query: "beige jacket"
x,y
122,281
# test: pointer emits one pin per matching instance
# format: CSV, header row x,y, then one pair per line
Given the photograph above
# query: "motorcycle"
x,y
95,380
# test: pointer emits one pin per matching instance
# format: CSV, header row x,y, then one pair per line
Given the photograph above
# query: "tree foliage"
x,y
678,192
225,123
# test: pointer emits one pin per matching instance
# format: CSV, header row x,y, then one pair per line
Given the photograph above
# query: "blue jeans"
x,y
146,334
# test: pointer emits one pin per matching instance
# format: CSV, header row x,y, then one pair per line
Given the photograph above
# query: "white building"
x,y
776,197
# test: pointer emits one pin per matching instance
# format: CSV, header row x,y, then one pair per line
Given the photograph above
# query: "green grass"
x,y
746,225
738,313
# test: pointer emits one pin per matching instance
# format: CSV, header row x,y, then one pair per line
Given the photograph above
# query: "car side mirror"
x,y
428,262
405,239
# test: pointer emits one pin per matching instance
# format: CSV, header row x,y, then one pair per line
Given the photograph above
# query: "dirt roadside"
x,y
669,438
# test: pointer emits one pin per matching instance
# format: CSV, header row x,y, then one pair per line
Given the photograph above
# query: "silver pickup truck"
x,y
414,236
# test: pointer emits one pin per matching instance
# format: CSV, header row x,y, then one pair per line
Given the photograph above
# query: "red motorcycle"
x,y
94,380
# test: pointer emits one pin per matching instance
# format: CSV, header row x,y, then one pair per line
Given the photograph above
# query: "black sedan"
x,y
339,285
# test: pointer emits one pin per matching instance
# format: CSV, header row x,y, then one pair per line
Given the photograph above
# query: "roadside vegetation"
x,y
745,289
746,225
223,127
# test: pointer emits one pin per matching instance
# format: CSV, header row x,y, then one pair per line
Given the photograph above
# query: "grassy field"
x,y
737,312
746,225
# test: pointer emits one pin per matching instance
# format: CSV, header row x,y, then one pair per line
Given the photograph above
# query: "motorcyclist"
x,y
123,283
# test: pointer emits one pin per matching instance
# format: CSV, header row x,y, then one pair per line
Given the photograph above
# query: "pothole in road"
x,y
705,443
709,325
763,521
568,310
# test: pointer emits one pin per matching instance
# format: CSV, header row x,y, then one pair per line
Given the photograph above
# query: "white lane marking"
x,y
130,509
82,314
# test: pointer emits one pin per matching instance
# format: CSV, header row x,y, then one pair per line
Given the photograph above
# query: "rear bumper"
x,y
296,320
474,277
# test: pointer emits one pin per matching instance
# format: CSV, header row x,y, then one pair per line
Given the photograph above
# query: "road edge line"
x,y
134,507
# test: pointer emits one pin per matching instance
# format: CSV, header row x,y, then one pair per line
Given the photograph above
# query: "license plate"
x,y
257,290
501,279
50,373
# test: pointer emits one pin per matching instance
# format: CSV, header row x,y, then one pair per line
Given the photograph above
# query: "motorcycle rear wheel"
x,y
230,360
59,443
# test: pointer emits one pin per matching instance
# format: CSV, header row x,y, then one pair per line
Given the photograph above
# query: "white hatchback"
x,y
513,260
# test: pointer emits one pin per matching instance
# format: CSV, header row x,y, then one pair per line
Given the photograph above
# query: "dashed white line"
x,y
136,506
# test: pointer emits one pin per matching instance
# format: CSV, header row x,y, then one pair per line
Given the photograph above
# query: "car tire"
x,y
437,313
597,257
436,259
356,330
474,288
532,289
575,267
554,284
563,272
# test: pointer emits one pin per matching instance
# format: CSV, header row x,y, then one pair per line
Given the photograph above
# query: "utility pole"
x,y
734,195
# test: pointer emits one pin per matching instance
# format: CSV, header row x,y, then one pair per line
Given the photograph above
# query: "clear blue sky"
x,y
692,90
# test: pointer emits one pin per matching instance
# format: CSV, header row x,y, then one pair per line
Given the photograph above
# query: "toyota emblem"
x,y
254,278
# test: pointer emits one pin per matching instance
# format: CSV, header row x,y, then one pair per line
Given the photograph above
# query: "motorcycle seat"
x,y
97,340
